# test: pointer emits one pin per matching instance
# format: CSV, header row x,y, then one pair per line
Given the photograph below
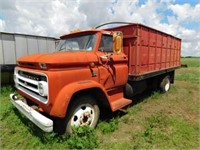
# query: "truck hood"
x,y
58,59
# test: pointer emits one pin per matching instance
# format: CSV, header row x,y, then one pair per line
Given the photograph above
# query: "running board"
x,y
117,100
120,103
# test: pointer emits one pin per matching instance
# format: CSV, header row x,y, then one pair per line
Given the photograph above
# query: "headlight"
x,y
43,88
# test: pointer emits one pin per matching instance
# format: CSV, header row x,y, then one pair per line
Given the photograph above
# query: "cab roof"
x,y
80,32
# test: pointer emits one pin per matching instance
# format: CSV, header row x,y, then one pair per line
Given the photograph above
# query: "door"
x,y
113,68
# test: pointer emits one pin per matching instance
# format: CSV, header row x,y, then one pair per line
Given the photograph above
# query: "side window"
x,y
106,44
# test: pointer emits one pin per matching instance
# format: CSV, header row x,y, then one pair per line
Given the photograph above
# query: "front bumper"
x,y
38,119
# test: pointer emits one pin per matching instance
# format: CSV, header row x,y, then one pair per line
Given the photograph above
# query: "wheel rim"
x,y
167,85
83,115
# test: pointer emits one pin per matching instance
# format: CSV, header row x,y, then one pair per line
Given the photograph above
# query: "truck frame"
x,y
91,70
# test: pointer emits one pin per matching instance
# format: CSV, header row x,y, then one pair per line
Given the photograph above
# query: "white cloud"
x,y
56,17
186,12
7,5
95,12
190,41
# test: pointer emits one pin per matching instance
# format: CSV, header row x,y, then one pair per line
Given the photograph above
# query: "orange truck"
x,y
91,71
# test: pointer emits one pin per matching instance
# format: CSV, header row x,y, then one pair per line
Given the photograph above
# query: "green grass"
x,y
158,121
108,126
17,132
192,73
83,138
160,128
191,62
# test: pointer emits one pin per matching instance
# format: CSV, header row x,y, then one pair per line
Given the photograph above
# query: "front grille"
x,y
28,83
32,76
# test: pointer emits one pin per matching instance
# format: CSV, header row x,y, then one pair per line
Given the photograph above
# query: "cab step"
x,y
120,103
117,100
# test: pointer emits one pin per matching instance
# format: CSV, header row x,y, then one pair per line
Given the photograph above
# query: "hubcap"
x,y
167,86
83,115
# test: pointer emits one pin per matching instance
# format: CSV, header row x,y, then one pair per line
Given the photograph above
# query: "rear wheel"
x,y
165,84
84,111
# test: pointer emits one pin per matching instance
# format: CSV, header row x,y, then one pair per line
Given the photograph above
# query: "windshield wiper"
x,y
64,48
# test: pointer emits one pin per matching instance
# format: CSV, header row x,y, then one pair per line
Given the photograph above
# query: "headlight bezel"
x,y
43,88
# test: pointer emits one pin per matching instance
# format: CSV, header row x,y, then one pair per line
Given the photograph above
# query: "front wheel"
x,y
83,111
165,84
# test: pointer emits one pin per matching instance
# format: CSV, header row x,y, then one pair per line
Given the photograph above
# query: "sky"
x,y
180,18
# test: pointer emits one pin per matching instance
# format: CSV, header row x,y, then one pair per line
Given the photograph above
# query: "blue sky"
x,y
56,17
192,2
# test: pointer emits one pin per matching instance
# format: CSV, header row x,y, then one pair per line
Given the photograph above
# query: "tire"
x,y
83,111
165,84
128,91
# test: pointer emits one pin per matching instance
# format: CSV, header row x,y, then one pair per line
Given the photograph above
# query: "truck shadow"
x,y
108,115
44,137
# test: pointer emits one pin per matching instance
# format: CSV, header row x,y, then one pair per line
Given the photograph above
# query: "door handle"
x,y
106,57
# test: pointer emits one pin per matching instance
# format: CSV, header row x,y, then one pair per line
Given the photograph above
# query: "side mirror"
x,y
117,42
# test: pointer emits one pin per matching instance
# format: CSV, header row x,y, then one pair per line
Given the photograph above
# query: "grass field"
x,y
153,121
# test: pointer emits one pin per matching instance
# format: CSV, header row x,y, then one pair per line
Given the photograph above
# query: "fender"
x,y
62,100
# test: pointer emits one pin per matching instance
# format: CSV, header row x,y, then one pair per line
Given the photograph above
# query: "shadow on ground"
x,y
108,114
45,137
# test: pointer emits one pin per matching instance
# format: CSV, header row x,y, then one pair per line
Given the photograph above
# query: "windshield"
x,y
78,43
